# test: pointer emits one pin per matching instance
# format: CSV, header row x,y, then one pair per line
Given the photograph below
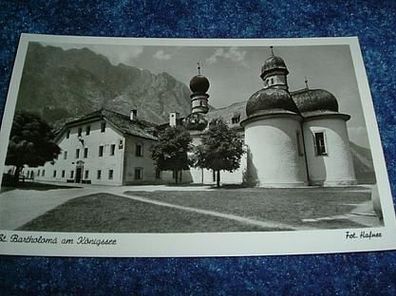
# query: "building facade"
x,y
105,148
292,138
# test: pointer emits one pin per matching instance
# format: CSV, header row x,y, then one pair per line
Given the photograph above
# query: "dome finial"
x,y
306,82
272,50
199,68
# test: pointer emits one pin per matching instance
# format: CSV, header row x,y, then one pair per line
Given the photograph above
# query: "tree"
x,y
221,149
31,142
170,153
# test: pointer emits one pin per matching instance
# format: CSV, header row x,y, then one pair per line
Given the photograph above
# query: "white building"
x,y
102,147
292,138
295,138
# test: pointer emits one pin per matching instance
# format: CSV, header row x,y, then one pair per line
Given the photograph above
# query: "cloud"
x,y
161,55
120,54
233,54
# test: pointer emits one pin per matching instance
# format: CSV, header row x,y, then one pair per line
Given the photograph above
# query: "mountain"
x,y
61,85
363,164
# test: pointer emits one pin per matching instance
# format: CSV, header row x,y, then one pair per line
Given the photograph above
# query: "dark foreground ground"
x,y
283,209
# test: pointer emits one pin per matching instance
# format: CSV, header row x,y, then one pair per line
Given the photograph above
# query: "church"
x,y
292,138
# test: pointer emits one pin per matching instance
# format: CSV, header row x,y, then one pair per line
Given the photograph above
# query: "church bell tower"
x,y
274,72
199,85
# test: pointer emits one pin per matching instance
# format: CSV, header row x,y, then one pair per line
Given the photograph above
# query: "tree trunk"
x,y
18,170
218,178
176,172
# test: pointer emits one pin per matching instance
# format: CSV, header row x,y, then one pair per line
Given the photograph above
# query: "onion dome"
x,y
313,100
273,63
199,84
268,100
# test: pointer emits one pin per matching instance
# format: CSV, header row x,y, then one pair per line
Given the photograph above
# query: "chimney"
x,y
133,115
173,118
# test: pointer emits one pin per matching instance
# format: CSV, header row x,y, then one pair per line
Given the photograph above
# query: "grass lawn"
x,y
288,206
35,186
110,213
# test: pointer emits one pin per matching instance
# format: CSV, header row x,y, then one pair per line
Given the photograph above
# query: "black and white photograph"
x,y
161,147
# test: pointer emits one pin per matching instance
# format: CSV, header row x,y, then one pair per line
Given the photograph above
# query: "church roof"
x,y
273,63
199,84
314,100
270,99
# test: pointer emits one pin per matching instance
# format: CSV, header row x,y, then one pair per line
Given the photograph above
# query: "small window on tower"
x,y
320,143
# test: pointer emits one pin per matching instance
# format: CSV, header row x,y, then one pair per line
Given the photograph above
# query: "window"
x,y
235,119
86,174
87,130
139,150
85,152
77,153
320,143
272,81
300,147
71,174
63,173
43,173
65,155
112,149
79,131
138,173
99,174
54,175
103,127
100,150
111,172
68,134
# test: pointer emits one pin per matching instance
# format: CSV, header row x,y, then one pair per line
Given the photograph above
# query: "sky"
x,y
233,72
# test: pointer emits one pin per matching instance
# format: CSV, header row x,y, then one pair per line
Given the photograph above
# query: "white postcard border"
x,y
207,244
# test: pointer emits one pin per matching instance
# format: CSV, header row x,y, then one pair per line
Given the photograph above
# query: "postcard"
x,y
126,147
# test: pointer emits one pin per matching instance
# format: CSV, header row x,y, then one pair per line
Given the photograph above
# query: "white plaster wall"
x,y
273,159
335,168
145,161
93,162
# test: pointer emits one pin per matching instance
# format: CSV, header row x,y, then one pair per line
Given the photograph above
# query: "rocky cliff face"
x,y
61,85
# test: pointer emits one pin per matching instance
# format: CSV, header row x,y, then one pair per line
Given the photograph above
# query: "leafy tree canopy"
x,y
221,149
170,152
31,141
